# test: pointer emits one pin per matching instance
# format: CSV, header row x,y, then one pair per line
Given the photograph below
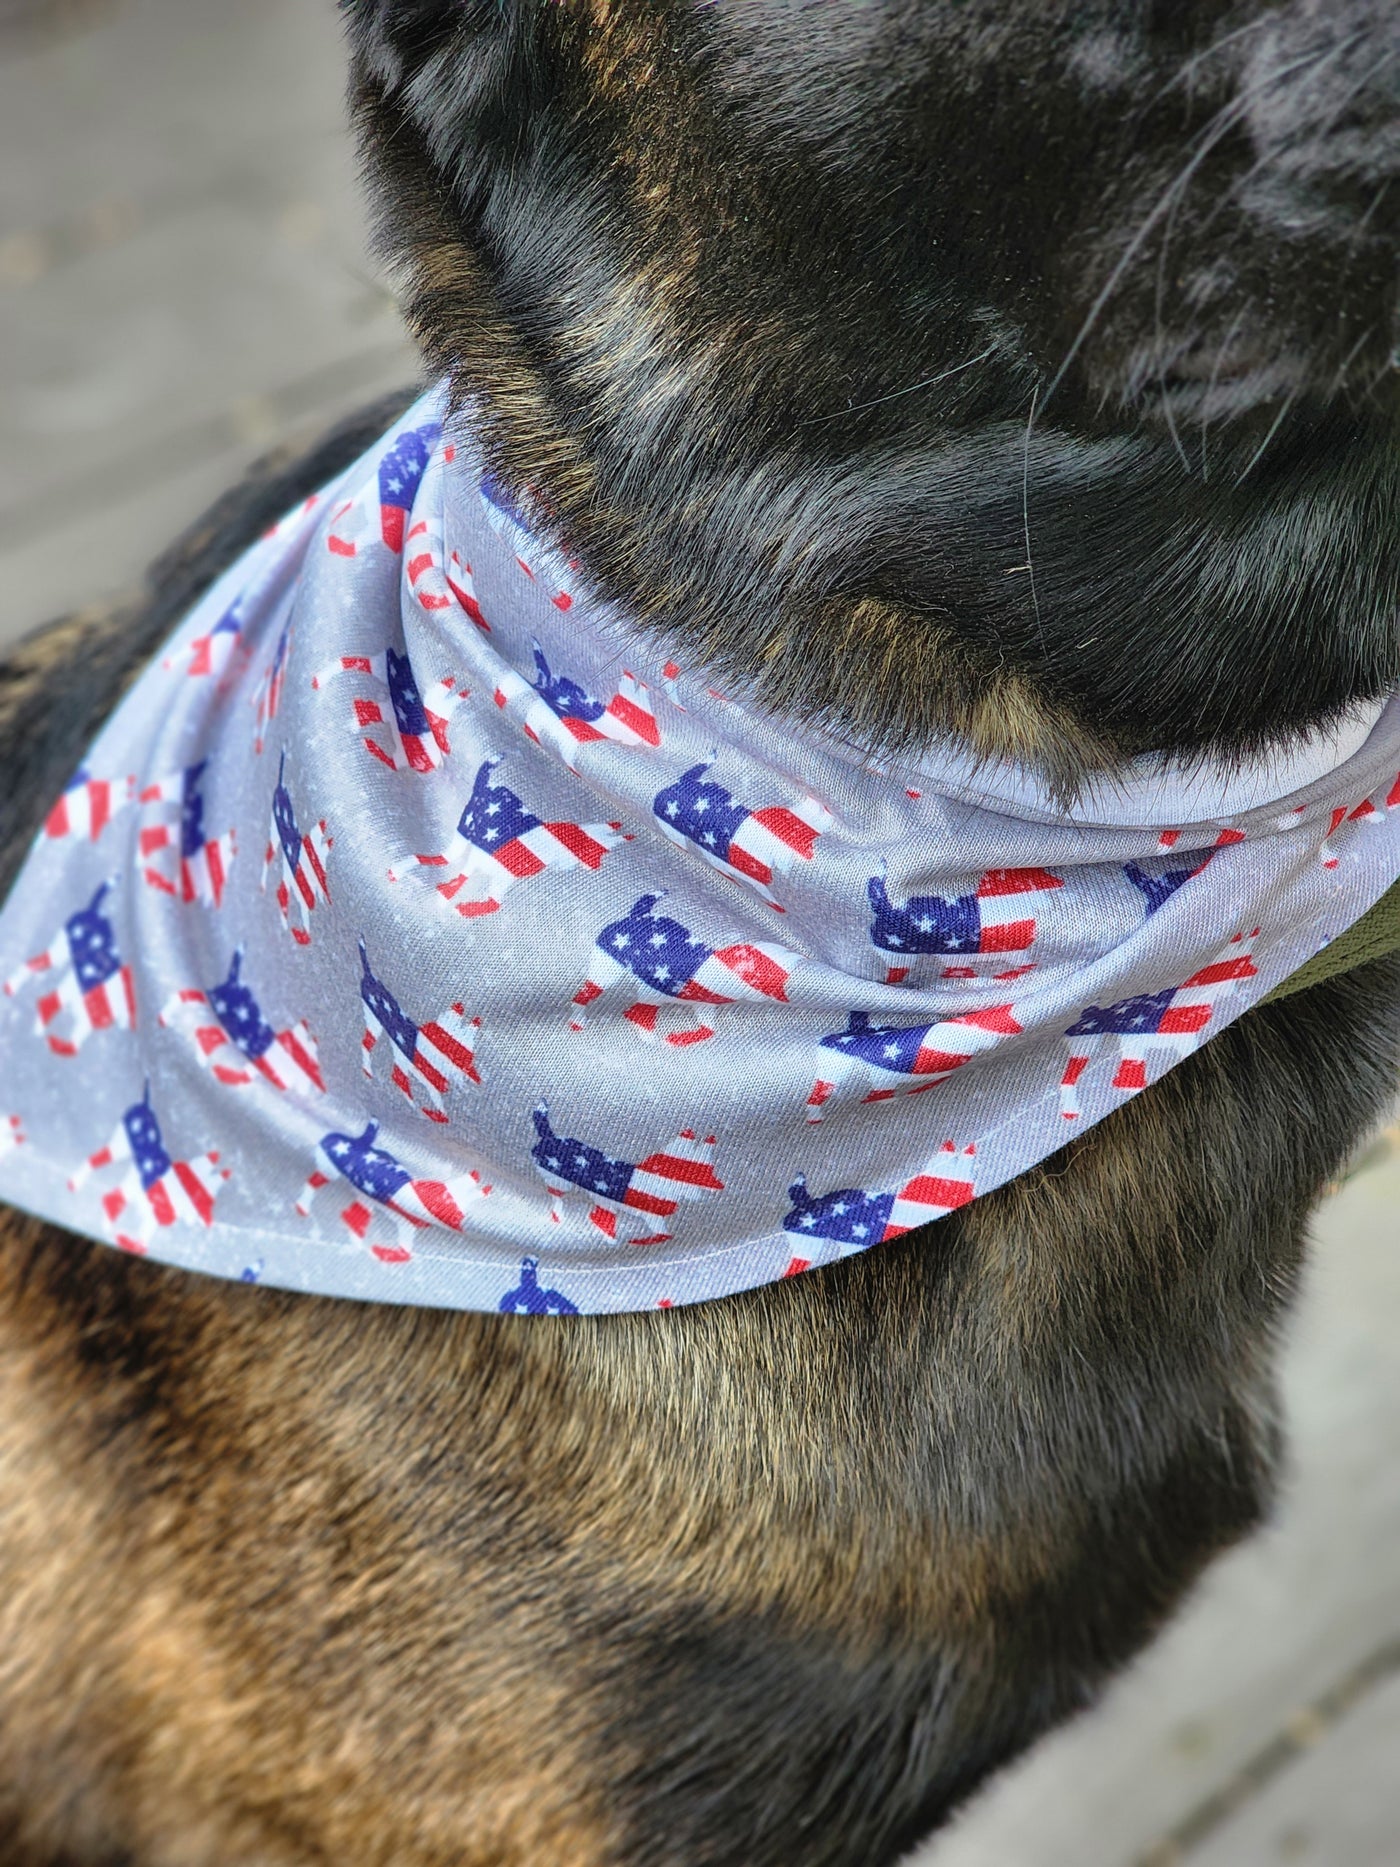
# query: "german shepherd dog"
x,y
1012,368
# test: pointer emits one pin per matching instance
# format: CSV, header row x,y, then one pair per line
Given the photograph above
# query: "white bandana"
x,y
418,931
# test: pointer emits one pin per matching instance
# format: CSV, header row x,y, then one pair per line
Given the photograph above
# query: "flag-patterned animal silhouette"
x,y
556,712
154,1191
1372,809
500,841
540,564
438,578
625,1198
208,656
268,697
413,732
528,1299
888,1060
751,844
854,1217
1157,880
422,1057
302,883
237,1044
398,1200
88,987
12,1134
390,493
998,919
88,806
1155,1027
201,862
658,962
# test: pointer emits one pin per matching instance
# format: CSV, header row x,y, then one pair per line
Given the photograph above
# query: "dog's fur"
x,y
1001,365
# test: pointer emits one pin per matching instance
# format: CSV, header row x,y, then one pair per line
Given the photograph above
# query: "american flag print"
x,y
88,806
1371,810
858,1219
424,1059
236,1043
207,656
267,698
541,565
154,1192
179,857
412,734
555,711
386,1197
992,929
887,1060
626,1200
597,956
440,578
1154,1029
299,859
87,987
753,844
529,1298
500,842
651,963
380,510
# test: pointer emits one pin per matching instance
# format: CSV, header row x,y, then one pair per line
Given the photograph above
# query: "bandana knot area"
x,y
419,931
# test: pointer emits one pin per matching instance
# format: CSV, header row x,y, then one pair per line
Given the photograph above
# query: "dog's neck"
x,y
826,472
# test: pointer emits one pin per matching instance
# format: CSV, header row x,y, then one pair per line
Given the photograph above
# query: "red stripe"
x,y
99,1008
455,1052
636,718
314,858
779,821
302,1058
195,1191
995,1018
756,969
1132,1074
1022,881
430,1073
437,1200
1183,1020
1011,937
680,1167
930,1190
648,1202
1223,970
518,859
57,823
578,842
746,864
159,1201
340,546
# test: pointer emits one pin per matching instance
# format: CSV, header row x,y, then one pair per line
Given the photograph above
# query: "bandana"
x,y
419,931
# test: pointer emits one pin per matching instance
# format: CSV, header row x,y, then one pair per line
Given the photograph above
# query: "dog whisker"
x,y
928,382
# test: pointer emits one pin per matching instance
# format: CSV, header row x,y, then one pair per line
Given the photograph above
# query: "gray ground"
x,y
183,281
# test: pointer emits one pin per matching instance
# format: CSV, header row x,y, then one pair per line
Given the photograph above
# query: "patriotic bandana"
x,y
418,931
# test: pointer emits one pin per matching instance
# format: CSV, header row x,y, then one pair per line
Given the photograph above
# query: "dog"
x,y
1017,372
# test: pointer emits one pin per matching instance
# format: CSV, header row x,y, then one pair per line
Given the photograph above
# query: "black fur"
x,y
1057,336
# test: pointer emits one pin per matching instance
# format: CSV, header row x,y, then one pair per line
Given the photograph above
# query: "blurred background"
x,y
184,283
